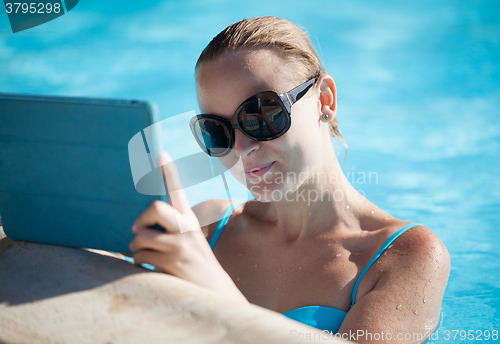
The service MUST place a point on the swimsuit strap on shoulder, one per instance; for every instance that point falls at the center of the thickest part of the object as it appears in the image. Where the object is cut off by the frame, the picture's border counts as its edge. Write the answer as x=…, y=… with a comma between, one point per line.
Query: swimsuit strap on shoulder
x=377, y=255
x=222, y=223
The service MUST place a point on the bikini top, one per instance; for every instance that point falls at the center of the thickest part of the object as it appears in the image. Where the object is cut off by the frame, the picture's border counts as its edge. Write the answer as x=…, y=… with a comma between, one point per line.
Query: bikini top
x=321, y=317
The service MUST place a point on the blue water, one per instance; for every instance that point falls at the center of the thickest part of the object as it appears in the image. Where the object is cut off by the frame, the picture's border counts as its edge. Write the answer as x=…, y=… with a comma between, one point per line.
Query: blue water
x=419, y=103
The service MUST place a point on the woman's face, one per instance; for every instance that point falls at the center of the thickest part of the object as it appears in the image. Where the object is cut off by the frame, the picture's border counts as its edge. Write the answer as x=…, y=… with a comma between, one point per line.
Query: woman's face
x=223, y=84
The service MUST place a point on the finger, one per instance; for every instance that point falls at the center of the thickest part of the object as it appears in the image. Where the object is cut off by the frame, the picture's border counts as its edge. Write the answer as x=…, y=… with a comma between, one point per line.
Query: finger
x=154, y=240
x=176, y=193
x=161, y=213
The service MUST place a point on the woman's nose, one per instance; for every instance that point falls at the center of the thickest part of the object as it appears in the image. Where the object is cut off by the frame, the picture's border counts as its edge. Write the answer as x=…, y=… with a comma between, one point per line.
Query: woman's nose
x=244, y=145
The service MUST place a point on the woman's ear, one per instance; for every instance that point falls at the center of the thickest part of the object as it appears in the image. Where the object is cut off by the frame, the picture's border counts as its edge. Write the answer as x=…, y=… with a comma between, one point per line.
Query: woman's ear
x=327, y=98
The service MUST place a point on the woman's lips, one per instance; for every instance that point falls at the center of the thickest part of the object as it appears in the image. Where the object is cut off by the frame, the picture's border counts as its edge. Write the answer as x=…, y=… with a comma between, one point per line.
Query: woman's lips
x=260, y=172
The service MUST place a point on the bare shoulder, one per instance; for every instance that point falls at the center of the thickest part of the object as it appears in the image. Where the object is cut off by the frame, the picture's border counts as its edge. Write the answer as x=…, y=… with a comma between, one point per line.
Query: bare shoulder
x=209, y=214
x=410, y=280
x=419, y=246
x=418, y=256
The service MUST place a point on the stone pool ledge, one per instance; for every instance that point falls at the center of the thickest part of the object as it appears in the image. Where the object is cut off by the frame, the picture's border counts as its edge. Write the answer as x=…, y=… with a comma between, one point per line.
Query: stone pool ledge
x=52, y=294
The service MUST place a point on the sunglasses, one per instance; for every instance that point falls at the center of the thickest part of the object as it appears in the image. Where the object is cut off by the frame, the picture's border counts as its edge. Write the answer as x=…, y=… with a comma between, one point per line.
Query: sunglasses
x=264, y=116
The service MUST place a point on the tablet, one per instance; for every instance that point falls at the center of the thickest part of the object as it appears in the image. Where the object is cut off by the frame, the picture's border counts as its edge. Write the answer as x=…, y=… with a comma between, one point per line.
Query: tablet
x=65, y=169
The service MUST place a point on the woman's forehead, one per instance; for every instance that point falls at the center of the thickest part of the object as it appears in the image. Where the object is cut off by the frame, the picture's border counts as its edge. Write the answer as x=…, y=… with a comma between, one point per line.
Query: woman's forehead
x=259, y=64
x=239, y=75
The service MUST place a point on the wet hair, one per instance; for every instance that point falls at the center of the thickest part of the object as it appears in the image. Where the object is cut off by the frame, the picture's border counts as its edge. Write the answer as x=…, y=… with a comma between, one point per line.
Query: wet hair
x=277, y=34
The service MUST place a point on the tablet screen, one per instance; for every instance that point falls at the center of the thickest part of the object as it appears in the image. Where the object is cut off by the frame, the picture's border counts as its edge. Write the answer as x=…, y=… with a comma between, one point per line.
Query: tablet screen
x=65, y=172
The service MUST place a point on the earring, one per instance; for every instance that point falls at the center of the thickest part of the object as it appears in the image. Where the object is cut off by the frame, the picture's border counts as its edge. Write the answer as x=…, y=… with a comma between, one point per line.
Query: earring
x=325, y=116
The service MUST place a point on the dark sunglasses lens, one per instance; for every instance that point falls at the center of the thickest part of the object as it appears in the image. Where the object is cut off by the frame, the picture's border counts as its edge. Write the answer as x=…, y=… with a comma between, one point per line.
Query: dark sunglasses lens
x=213, y=135
x=263, y=117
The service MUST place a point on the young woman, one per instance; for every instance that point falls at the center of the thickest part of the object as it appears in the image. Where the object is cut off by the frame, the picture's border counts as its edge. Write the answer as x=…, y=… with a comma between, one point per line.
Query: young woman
x=309, y=246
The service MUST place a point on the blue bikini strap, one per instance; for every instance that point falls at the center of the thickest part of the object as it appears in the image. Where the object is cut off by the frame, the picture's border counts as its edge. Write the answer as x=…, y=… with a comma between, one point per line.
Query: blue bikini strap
x=377, y=255
x=220, y=227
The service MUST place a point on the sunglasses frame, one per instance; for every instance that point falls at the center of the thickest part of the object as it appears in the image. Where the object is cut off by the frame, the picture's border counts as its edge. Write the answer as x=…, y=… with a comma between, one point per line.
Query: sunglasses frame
x=285, y=101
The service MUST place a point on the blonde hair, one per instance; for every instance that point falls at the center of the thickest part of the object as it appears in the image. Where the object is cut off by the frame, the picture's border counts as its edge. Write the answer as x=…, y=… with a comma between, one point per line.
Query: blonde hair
x=273, y=33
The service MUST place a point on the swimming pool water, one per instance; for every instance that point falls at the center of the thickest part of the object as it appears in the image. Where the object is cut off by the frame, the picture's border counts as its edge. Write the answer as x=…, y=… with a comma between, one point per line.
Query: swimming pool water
x=419, y=103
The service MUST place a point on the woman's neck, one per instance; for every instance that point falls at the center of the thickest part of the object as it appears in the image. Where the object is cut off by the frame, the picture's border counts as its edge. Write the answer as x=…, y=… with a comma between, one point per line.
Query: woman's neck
x=325, y=200
x=316, y=207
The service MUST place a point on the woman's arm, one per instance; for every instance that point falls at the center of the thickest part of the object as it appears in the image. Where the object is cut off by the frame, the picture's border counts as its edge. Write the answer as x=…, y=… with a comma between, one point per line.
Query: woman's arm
x=405, y=303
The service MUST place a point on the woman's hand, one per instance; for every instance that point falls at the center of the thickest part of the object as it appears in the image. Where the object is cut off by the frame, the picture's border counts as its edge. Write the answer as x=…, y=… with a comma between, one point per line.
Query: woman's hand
x=182, y=250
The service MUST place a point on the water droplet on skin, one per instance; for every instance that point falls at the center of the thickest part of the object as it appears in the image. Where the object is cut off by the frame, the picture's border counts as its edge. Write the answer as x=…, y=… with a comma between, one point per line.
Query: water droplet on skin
x=424, y=300
x=373, y=212
x=415, y=312
x=338, y=255
x=300, y=267
x=256, y=294
x=387, y=218
x=237, y=279
x=347, y=207
x=399, y=306
x=241, y=254
x=255, y=265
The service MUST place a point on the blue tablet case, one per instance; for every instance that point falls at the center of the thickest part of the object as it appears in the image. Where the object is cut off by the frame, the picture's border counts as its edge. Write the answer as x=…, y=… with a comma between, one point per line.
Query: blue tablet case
x=65, y=174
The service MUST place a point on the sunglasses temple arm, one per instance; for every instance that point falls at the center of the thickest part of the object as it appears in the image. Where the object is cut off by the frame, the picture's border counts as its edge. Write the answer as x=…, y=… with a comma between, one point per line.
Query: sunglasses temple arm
x=298, y=92
x=286, y=101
